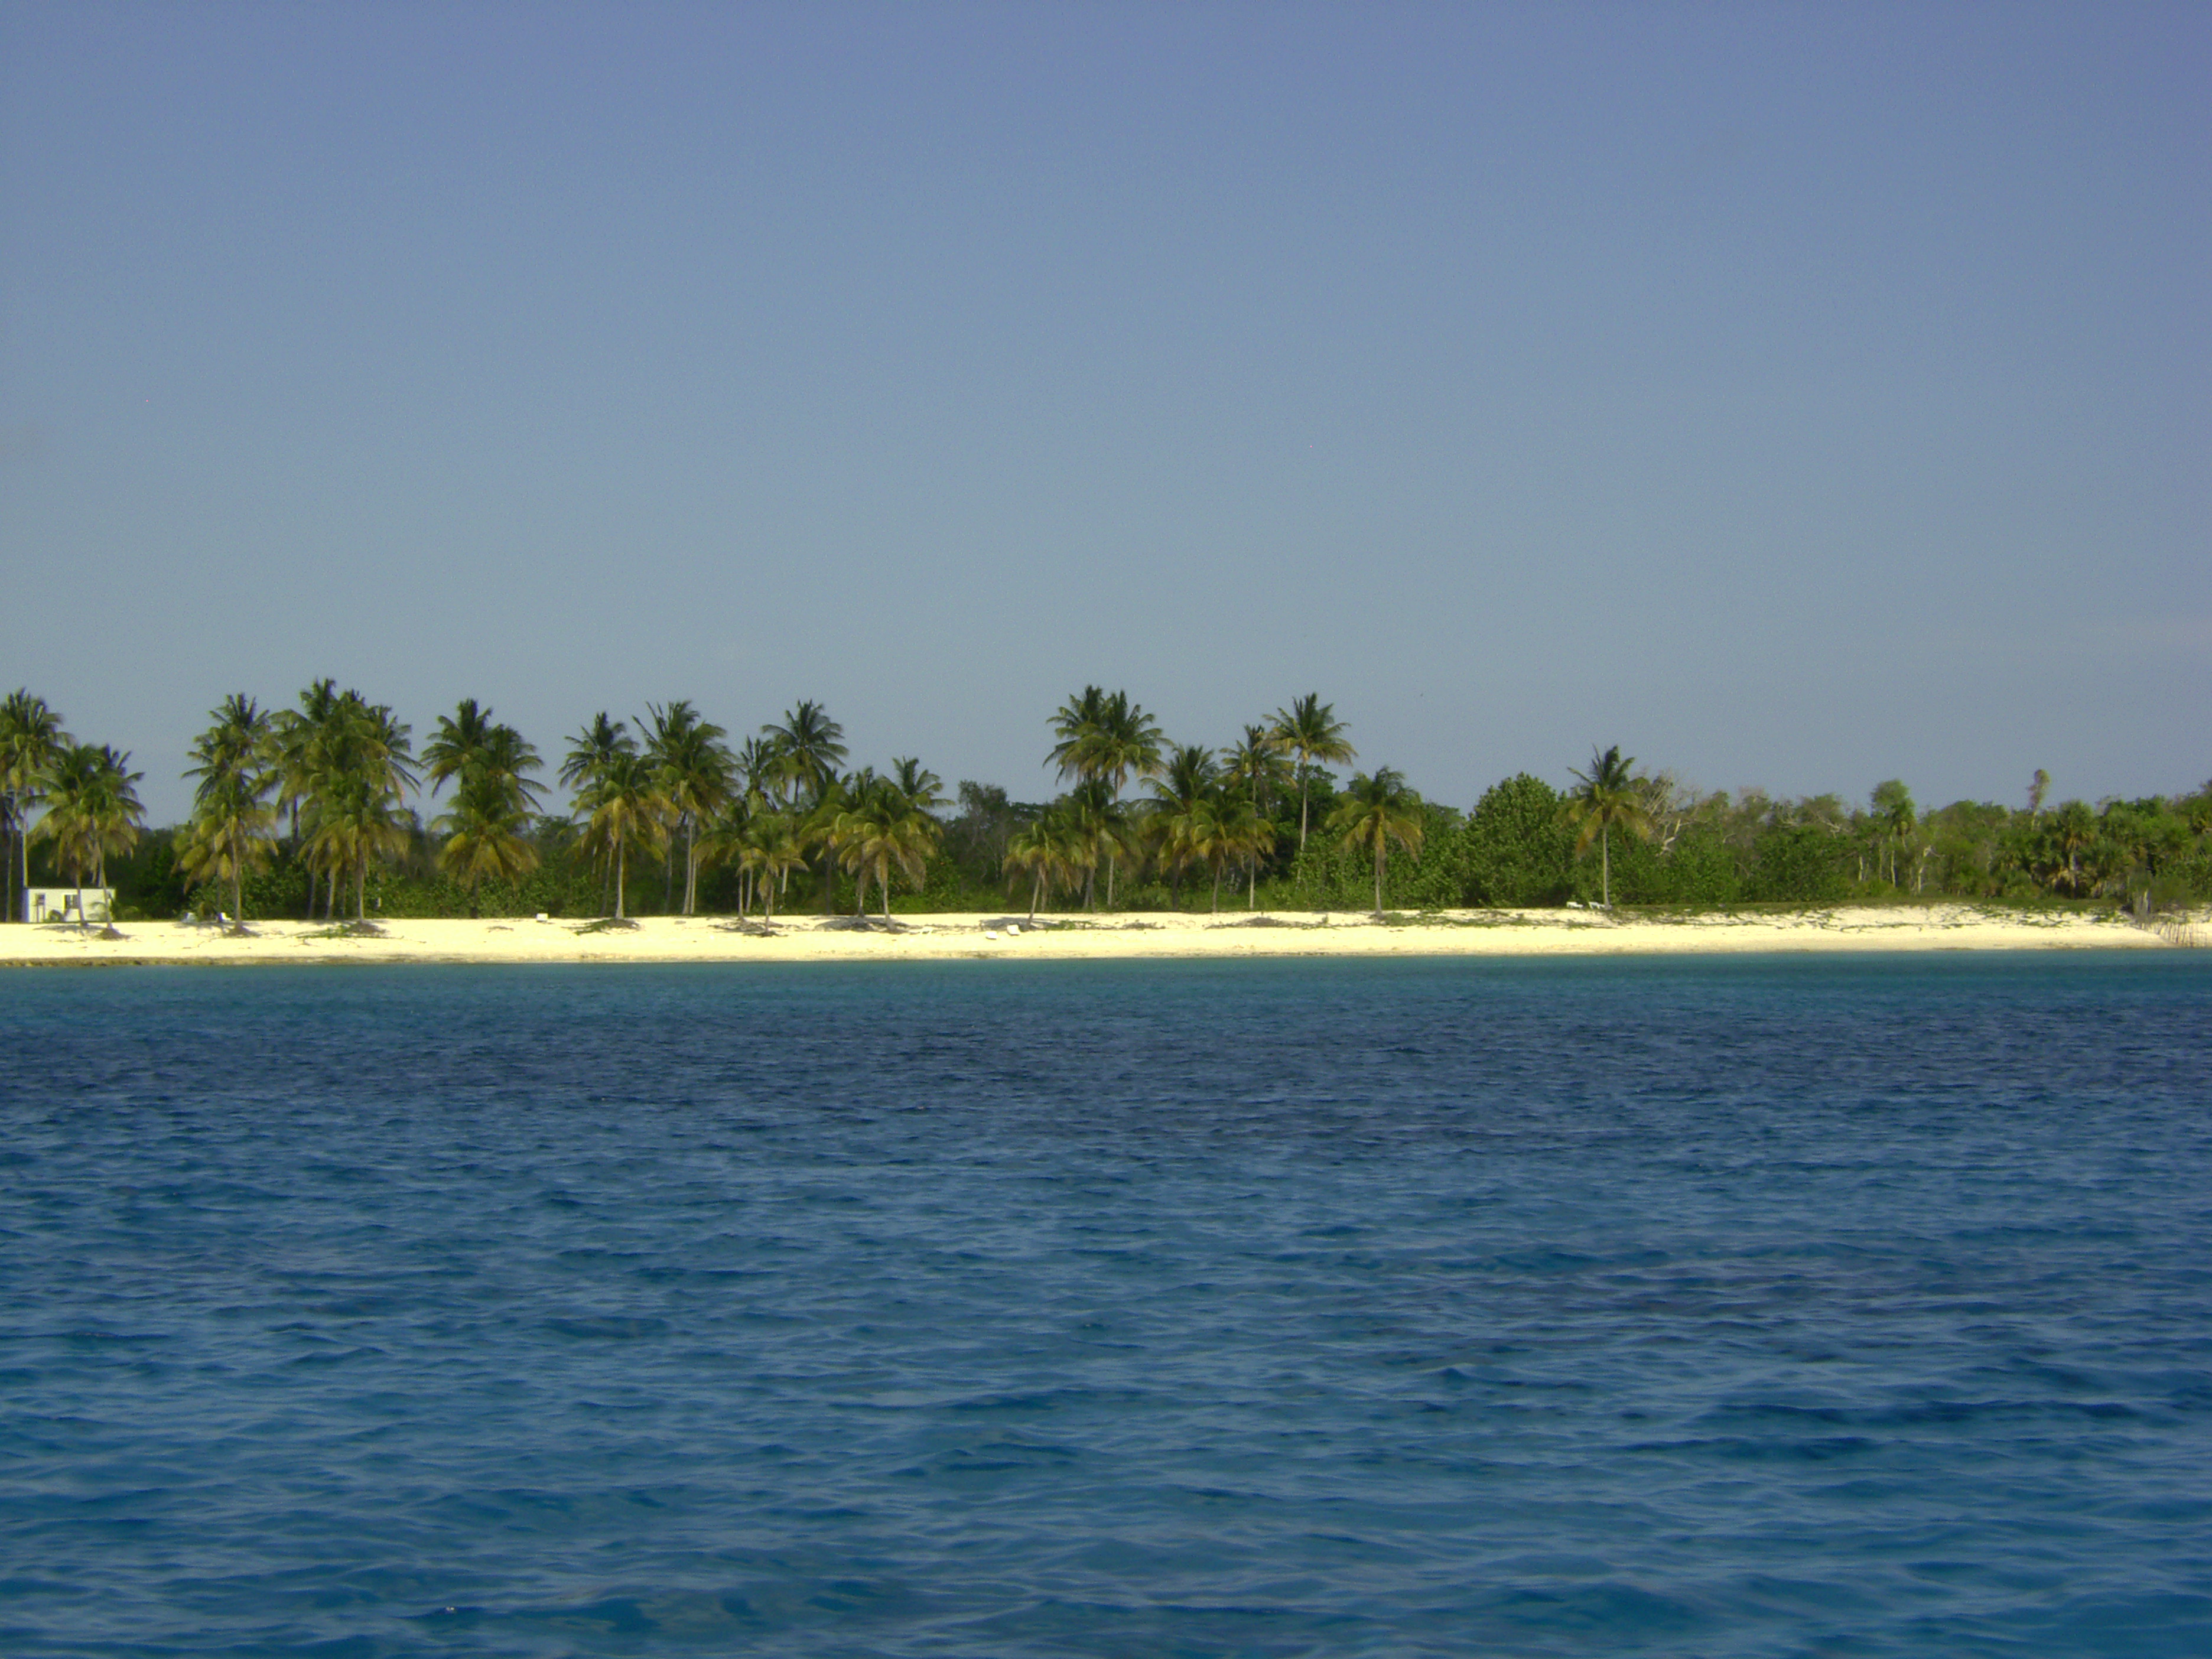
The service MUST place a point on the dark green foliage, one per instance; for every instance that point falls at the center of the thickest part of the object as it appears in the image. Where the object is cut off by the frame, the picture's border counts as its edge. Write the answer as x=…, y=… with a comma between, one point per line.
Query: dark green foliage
x=1797, y=864
x=1514, y=848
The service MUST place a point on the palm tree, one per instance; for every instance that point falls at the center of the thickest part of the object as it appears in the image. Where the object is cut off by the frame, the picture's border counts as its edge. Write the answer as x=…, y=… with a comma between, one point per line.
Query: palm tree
x=1247, y=835
x=2072, y=831
x=30, y=737
x=92, y=811
x=1608, y=799
x=1892, y=803
x=1049, y=851
x=346, y=770
x=773, y=848
x=1181, y=811
x=812, y=746
x=486, y=834
x=1254, y=765
x=235, y=761
x=623, y=807
x=595, y=747
x=1309, y=730
x=885, y=826
x=299, y=732
x=696, y=772
x=356, y=822
x=456, y=743
x=1376, y=811
x=1105, y=739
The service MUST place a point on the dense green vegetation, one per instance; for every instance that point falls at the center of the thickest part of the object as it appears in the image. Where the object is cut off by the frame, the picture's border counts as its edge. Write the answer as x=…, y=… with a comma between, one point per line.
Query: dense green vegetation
x=327, y=808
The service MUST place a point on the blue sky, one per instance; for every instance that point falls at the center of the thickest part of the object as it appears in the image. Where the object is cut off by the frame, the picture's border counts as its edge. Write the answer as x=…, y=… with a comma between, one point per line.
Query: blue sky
x=1799, y=396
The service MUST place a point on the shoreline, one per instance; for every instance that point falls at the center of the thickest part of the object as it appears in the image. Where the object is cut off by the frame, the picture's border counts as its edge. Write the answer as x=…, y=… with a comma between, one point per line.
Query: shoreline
x=1946, y=927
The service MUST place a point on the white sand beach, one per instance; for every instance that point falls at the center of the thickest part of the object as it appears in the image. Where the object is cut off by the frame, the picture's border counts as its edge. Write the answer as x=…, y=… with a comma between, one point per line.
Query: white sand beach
x=923, y=937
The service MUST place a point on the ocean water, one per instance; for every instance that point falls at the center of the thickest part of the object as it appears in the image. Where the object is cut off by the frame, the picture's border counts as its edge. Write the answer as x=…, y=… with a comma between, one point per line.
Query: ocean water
x=1743, y=1306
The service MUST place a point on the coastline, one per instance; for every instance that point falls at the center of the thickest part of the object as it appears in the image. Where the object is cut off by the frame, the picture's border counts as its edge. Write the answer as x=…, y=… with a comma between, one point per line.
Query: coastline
x=1947, y=926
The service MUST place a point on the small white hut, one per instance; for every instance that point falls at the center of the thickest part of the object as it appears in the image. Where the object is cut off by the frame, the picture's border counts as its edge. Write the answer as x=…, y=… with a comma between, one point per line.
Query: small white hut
x=60, y=904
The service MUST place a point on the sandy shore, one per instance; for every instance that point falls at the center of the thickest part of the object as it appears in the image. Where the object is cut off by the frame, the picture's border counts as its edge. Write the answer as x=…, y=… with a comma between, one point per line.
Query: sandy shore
x=808, y=939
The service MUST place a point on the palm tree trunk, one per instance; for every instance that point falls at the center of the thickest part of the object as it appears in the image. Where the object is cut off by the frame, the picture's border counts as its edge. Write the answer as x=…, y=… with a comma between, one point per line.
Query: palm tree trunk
x=884, y=888
x=1036, y=884
x=360, y=890
x=1217, y=889
x=1302, y=807
x=622, y=870
x=1379, y=856
x=1251, y=882
x=1110, y=878
x=1605, y=864
x=237, y=890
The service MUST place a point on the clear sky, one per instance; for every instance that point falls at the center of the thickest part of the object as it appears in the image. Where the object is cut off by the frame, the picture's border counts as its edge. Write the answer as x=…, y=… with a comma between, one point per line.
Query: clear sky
x=1796, y=395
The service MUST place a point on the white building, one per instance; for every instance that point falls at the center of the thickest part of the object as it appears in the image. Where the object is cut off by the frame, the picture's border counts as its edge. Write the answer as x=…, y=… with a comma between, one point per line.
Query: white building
x=59, y=904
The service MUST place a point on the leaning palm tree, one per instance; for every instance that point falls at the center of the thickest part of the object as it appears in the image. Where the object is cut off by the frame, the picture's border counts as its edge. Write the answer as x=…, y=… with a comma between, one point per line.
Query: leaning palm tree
x=1373, y=812
x=1608, y=800
x=1309, y=730
x=31, y=738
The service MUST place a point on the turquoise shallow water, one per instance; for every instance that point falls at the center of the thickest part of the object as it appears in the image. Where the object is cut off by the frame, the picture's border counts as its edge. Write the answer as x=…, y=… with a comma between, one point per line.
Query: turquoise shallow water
x=1763, y=1307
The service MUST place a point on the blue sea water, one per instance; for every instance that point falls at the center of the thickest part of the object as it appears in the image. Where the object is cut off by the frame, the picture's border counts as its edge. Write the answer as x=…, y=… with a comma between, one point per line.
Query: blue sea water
x=1723, y=1307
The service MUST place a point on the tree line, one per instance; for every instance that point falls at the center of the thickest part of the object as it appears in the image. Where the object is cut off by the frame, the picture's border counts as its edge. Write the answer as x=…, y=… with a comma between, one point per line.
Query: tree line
x=328, y=806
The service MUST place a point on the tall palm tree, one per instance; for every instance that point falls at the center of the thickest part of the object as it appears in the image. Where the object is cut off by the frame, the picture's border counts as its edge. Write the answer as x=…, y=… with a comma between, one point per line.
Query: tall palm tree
x=1309, y=730
x=598, y=745
x=92, y=811
x=299, y=733
x=1373, y=812
x=347, y=765
x=236, y=761
x=1253, y=765
x=623, y=807
x=811, y=747
x=1608, y=800
x=697, y=773
x=31, y=737
x=1105, y=739
x=1893, y=805
x=455, y=744
x=356, y=821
